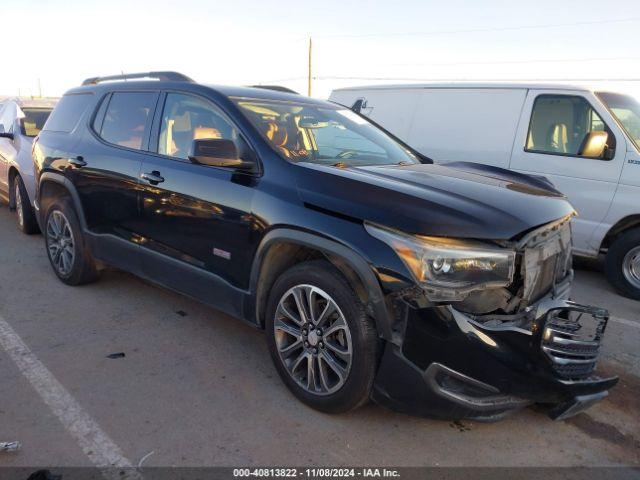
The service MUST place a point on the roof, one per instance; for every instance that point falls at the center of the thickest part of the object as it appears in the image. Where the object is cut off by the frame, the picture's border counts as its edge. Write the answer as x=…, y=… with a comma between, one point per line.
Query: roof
x=483, y=85
x=226, y=91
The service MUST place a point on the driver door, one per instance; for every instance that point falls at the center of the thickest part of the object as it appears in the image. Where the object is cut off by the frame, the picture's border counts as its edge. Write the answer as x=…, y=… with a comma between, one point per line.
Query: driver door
x=548, y=142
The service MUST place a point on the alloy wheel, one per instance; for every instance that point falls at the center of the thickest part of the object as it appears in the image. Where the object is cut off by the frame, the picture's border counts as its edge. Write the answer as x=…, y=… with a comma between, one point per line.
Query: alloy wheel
x=60, y=243
x=631, y=266
x=313, y=339
x=18, y=197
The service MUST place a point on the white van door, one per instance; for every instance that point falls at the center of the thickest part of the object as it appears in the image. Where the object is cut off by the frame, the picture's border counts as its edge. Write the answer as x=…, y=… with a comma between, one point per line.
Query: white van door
x=549, y=142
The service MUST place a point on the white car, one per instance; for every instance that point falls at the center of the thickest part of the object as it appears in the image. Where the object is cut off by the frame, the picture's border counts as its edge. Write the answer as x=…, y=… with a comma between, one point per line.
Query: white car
x=20, y=121
x=586, y=142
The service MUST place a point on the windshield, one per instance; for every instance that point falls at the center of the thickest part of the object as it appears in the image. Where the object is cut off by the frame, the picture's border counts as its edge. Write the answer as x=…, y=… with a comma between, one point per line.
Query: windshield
x=626, y=109
x=303, y=132
x=33, y=120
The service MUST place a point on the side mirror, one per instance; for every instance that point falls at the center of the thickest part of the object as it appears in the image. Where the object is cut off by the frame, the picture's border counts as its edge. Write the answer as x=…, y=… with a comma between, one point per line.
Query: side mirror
x=594, y=145
x=218, y=152
x=358, y=105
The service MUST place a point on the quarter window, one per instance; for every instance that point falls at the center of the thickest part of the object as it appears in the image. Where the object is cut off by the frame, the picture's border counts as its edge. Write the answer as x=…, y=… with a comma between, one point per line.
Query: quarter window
x=67, y=113
x=561, y=123
x=127, y=119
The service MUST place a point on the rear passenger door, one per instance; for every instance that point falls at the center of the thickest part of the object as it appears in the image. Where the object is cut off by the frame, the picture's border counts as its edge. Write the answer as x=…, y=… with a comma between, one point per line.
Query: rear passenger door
x=548, y=142
x=106, y=171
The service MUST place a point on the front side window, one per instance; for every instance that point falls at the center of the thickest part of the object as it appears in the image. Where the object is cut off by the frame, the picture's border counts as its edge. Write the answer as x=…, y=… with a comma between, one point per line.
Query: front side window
x=560, y=125
x=186, y=118
x=33, y=120
x=304, y=132
x=8, y=115
x=626, y=109
x=127, y=119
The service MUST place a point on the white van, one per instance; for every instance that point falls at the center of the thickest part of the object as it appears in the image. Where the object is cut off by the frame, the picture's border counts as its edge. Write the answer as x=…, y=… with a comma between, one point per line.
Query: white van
x=586, y=142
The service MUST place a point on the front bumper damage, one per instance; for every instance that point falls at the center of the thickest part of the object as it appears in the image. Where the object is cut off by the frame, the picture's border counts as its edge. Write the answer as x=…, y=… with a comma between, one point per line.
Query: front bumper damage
x=448, y=364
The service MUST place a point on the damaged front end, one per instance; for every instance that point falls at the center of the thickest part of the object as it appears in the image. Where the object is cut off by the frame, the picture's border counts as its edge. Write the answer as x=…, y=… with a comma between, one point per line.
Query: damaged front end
x=500, y=348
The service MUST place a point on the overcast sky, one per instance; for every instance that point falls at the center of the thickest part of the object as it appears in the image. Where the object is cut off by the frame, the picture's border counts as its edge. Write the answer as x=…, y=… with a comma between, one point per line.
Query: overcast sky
x=61, y=42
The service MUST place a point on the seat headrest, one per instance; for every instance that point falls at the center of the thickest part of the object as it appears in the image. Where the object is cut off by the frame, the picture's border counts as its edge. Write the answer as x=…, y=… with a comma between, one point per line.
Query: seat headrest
x=182, y=123
x=206, y=132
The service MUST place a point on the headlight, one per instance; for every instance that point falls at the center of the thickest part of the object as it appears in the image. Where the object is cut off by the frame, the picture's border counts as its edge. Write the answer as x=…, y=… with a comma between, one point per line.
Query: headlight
x=449, y=269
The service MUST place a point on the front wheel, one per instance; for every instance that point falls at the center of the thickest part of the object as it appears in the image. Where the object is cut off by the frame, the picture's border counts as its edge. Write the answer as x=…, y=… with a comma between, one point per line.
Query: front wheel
x=623, y=264
x=321, y=340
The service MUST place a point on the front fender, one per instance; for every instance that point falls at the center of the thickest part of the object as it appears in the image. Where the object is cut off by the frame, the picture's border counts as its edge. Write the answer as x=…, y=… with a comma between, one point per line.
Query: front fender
x=331, y=248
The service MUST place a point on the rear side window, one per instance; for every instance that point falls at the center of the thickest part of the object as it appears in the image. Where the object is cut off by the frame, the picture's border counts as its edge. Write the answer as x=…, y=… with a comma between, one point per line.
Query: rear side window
x=128, y=118
x=560, y=124
x=68, y=112
x=33, y=121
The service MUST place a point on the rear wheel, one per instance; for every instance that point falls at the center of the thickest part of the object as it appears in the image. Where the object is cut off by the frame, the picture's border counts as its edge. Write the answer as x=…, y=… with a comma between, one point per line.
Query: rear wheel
x=25, y=216
x=321, y=340
x=623, y=264
x=66, y=247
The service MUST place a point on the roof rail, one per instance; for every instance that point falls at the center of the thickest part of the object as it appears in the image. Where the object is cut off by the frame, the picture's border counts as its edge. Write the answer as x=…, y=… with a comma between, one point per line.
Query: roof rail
x=162, y=76
x=276, y=88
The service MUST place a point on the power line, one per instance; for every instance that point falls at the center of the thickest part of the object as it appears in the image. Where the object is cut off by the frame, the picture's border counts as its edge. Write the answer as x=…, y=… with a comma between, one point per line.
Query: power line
x=484, y=30
x=477, y=80
x=513, y=62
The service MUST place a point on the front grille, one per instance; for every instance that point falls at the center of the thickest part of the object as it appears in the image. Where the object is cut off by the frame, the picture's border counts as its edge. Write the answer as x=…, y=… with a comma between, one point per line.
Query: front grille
x=571, y=339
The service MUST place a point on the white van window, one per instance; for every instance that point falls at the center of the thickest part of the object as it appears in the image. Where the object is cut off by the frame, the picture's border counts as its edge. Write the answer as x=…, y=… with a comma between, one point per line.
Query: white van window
x=626, y=109
x=560, y=124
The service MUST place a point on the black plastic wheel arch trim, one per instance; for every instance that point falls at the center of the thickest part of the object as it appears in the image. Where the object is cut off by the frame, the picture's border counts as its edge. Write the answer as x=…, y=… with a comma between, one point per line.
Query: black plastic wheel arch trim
x=376, y=301
x=66, y=183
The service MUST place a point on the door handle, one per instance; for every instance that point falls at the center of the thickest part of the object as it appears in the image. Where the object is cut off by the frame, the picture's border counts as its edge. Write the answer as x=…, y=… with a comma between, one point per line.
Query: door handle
x=152, y=177
x=77, y=162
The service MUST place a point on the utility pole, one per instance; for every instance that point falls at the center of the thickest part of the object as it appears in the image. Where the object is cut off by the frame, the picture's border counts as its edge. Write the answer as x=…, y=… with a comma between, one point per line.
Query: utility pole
x=309, y=79
x=39, y=88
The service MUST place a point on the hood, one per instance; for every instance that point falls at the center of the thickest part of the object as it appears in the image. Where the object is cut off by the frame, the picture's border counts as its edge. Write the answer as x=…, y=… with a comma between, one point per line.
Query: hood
x=463, y=200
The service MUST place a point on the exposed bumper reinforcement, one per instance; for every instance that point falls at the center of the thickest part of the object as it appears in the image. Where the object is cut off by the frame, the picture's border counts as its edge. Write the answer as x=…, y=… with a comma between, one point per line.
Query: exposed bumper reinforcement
x=450, y=366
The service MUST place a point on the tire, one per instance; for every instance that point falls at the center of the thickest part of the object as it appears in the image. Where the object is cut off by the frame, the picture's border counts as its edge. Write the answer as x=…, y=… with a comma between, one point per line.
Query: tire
x=622, y=264
x=61, y=225
x=324, y=284
x=26, y=219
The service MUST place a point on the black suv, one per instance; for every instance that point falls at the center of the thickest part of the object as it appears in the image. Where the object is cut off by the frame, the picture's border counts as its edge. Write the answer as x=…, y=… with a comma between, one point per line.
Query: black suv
x=440, y=291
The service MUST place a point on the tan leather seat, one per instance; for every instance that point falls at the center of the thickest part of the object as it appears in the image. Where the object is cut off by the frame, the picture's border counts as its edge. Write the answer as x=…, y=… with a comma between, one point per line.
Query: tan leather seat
x=279, y=137
x=558, y=138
